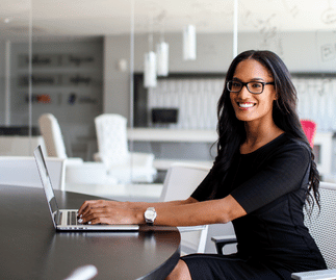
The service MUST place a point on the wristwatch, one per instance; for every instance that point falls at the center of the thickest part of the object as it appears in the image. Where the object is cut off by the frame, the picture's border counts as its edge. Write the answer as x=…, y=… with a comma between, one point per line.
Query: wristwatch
x=150, y=215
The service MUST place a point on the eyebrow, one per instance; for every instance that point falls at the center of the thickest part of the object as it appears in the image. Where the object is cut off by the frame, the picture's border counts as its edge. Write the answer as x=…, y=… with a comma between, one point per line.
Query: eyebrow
x=254, y=79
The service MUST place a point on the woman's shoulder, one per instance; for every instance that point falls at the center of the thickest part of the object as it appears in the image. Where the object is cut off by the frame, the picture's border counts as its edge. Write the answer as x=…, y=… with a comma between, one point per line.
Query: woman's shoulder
x=292, y=144
x=295, y=142
x=285, y=149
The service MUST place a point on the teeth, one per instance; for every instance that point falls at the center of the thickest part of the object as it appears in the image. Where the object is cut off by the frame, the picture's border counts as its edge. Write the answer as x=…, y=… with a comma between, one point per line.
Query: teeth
x=245, y=105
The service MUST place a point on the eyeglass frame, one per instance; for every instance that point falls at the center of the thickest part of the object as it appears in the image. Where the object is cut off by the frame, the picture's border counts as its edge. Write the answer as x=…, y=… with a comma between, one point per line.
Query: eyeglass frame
x=246, y=85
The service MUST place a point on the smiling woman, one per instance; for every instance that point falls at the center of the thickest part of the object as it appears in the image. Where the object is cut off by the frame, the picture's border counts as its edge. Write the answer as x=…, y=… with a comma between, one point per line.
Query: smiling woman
x=260, y=180
x=264, y=163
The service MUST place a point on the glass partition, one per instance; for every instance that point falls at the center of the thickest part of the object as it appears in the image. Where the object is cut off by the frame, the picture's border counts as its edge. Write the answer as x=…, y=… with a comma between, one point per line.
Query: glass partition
x=67, y=78
x=15, y=31
x=90, y=58
x=175, y=114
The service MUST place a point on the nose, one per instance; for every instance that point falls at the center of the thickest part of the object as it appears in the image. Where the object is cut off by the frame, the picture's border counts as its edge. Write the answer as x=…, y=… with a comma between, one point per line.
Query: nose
x=244, y=93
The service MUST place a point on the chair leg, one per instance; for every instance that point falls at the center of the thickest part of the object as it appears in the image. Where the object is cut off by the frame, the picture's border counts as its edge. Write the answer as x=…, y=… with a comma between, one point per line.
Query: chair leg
x=202, y=241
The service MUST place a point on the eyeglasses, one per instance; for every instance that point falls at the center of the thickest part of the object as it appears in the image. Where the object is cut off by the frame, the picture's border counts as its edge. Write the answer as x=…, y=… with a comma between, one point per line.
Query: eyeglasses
x=254, y=87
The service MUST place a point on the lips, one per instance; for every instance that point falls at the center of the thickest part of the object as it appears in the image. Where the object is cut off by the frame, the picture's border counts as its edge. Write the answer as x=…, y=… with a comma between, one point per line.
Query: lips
x=246, y=104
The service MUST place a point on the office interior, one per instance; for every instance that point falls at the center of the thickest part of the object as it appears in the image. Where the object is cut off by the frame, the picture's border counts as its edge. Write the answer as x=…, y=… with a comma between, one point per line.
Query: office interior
x=77, y=60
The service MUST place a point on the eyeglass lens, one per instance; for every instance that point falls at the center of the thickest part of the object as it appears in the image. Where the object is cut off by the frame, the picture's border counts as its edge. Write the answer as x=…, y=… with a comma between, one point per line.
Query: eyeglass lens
x=253, y=87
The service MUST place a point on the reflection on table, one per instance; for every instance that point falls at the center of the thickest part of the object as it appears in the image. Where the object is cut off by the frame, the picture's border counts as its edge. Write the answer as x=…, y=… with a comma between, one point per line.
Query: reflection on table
x=32, y=249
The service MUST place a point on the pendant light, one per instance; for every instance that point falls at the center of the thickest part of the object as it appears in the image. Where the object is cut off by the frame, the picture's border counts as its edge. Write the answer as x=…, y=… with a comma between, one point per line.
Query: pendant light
x=189, y=42
x=150, y=70
x=162, y=55
x=150, y=64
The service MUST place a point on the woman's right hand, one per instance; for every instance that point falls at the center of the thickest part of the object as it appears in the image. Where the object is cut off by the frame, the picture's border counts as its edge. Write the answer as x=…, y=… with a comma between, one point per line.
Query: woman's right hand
x=107, y=212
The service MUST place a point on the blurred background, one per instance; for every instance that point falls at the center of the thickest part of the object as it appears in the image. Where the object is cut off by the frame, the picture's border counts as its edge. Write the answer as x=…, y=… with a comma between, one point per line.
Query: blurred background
x=79, y=59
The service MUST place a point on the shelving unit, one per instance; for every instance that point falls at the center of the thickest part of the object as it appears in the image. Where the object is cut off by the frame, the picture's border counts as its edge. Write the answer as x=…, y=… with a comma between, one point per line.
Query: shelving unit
x=66, y=82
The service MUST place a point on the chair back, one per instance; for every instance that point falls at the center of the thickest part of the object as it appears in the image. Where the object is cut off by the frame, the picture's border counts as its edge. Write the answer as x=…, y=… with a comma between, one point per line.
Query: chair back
x=322, y=224
x=22, y=171
x=112, y=138
x=180, y=182
x=52, y=136
x=309, y=128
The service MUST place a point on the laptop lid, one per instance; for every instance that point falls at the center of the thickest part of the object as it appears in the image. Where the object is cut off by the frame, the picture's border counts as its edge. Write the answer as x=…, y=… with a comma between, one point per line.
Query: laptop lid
x=55, y=211
x=46, y=182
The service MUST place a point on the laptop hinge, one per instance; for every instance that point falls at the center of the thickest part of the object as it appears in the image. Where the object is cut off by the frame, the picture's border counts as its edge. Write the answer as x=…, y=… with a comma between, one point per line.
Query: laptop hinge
x=58, y=217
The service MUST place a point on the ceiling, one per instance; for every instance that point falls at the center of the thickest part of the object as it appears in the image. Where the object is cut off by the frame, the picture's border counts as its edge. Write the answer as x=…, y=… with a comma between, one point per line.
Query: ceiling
x=109, y=17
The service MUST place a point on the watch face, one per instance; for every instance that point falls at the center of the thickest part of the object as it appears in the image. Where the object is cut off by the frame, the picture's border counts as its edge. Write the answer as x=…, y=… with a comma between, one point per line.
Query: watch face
x=150, y=215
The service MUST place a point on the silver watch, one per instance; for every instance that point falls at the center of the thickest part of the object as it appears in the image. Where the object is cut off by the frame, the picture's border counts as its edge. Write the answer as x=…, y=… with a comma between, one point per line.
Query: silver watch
x=150, y=215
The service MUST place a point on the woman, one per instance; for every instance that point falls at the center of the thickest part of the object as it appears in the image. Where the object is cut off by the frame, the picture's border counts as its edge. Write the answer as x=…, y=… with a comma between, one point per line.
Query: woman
x=260, y=181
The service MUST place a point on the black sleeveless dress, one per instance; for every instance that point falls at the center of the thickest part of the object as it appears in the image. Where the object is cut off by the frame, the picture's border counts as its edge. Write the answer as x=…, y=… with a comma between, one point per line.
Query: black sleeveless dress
x=271, y=185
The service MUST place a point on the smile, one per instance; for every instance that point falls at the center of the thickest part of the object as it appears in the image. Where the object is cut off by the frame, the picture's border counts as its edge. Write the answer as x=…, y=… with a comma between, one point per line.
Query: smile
x=246, y=105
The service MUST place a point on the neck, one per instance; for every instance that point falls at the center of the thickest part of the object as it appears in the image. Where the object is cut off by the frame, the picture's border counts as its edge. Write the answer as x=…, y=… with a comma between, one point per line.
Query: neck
x=257, y=135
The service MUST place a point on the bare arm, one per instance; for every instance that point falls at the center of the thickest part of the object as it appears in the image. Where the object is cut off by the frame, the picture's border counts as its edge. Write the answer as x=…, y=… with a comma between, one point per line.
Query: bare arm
x=101, y=207
x=133, y=205
x=158, y=205
x=200, y=213
x=188, y=212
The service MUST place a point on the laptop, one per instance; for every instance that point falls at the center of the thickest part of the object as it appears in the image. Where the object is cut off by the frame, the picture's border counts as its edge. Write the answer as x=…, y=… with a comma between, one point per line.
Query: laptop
x=66, y=219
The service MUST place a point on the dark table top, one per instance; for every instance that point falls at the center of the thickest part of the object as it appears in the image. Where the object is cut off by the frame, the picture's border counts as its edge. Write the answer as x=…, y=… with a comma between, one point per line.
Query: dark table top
x=30, y=248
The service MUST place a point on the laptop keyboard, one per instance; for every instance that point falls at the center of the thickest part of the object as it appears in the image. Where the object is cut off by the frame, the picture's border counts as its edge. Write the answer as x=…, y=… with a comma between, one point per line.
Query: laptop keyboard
x=72, y=218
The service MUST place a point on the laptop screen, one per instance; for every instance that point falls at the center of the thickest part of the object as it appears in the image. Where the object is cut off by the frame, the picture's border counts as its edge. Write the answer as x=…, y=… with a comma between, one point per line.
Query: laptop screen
x=46, y=182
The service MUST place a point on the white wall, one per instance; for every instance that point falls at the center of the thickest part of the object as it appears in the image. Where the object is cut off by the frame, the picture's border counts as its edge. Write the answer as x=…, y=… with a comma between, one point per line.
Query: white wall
x=116, y=88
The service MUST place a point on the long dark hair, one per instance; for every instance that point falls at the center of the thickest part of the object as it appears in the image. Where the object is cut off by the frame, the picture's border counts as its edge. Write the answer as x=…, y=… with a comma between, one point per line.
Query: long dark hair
x=231, y=131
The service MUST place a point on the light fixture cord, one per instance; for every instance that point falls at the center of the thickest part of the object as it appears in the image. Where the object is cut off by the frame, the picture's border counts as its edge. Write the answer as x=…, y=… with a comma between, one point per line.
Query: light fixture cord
x=131, y=122
x=150, y=33
x=235, y=28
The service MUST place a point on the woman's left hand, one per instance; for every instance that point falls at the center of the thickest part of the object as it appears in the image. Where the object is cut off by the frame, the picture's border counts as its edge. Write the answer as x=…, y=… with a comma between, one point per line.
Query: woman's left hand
x=106, y=212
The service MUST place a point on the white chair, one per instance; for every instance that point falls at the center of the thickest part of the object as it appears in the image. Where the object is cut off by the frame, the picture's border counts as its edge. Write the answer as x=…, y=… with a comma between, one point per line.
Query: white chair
x=322, y=226
x=113, y=152
x=22, y=171
x=77, y=171
x=180, y=182
x=52, y=136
